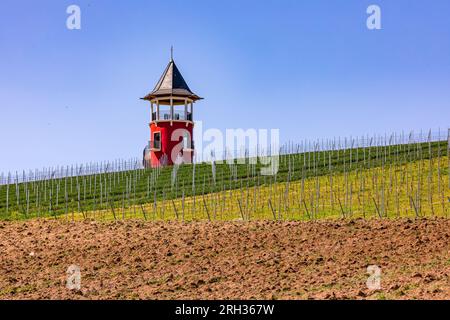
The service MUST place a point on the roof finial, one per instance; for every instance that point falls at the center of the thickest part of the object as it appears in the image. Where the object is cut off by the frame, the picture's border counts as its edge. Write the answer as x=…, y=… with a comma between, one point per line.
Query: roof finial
x=171, y=53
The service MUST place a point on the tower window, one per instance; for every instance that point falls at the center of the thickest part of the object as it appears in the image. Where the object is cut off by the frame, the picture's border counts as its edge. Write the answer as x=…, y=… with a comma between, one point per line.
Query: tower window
x=157, y=140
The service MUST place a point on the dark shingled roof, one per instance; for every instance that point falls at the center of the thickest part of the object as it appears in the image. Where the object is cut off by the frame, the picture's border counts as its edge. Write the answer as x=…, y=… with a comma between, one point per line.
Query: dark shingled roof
x=171, y=83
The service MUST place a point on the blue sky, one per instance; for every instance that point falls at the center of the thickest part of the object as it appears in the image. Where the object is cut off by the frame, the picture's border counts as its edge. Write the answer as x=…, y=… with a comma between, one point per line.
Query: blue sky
x=310, y=68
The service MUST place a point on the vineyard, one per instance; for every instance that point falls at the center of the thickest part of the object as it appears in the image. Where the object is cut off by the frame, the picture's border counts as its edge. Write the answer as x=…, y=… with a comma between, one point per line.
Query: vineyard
x=351, y=178
x=223, y=230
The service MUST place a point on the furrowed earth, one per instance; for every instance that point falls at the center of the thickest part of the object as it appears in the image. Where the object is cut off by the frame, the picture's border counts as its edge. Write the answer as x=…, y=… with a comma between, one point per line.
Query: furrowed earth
x=226, y=260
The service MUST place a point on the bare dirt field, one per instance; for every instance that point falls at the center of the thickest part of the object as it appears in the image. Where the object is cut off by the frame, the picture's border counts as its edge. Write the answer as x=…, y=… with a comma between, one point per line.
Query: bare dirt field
x=223, y=260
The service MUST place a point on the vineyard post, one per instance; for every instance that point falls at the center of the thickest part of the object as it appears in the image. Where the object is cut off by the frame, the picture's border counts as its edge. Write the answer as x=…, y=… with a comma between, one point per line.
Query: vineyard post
x=345, y=178
x=407, y=159
x=391, y=159
x=101, y=194
x=330, y=169
x=7, y=195
x=351, y=199
x=430, y=174
x=397, y=201
x=206, y=208
x=154, y=205
x=376, y=207
x=193, y=191
x=286, y=195
x=123, y=205
x=143, y=212
x=37, y=201
x=279, y=203
x=351, y=151
x=383, y=182
x=175, y=209
x=362, y=188
x=65, y=199
x=114, y=212
x=163, y=204
x=182, y=205
x=90, y=182
x=342, y=209
x=50, y=200
x=318, y=193
x=255, y=187
x=240, y=209
x=419, y=189
x=57, y=194
x=134, y=192
x=223, y=197
x=28, y=201
x=273, y=211
x=448, y=157
x=73, y=212
x=17, y=191
x=440, y=193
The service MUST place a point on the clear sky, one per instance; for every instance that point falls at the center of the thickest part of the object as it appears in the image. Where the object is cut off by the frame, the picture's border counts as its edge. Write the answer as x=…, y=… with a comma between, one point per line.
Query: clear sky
x=310, y=68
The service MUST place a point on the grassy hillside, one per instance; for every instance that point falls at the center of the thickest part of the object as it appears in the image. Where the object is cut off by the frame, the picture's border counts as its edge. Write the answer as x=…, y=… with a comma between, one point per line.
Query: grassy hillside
x=312, y=184
x=415, y=189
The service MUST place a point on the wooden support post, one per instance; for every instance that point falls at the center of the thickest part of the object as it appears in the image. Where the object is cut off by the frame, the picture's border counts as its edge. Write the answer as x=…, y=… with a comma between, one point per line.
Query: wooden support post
x=157, y=110
x=151, y=111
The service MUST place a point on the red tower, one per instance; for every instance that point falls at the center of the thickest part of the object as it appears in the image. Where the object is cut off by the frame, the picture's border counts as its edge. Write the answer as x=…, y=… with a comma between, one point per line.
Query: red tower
x=172, y=123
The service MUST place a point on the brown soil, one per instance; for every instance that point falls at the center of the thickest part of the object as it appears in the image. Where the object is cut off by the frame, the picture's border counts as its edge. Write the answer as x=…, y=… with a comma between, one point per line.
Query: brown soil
x=223, y=260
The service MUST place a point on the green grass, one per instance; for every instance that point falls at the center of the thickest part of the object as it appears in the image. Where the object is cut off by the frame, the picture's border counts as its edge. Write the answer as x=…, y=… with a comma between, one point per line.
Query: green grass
x=142, y=186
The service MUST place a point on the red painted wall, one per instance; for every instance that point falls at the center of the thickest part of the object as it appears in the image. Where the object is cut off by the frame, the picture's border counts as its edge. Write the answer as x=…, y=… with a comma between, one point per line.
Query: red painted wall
x=167, y=145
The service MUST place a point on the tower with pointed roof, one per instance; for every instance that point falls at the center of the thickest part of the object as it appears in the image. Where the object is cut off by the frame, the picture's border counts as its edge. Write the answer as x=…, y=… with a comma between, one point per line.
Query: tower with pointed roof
x=172, y=123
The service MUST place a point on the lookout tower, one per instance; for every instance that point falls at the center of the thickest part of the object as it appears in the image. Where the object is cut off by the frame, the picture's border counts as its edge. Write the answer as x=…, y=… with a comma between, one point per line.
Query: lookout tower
x=172, y=122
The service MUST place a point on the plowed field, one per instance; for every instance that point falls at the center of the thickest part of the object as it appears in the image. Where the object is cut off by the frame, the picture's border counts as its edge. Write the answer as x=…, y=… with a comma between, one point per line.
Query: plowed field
x=223, y=260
